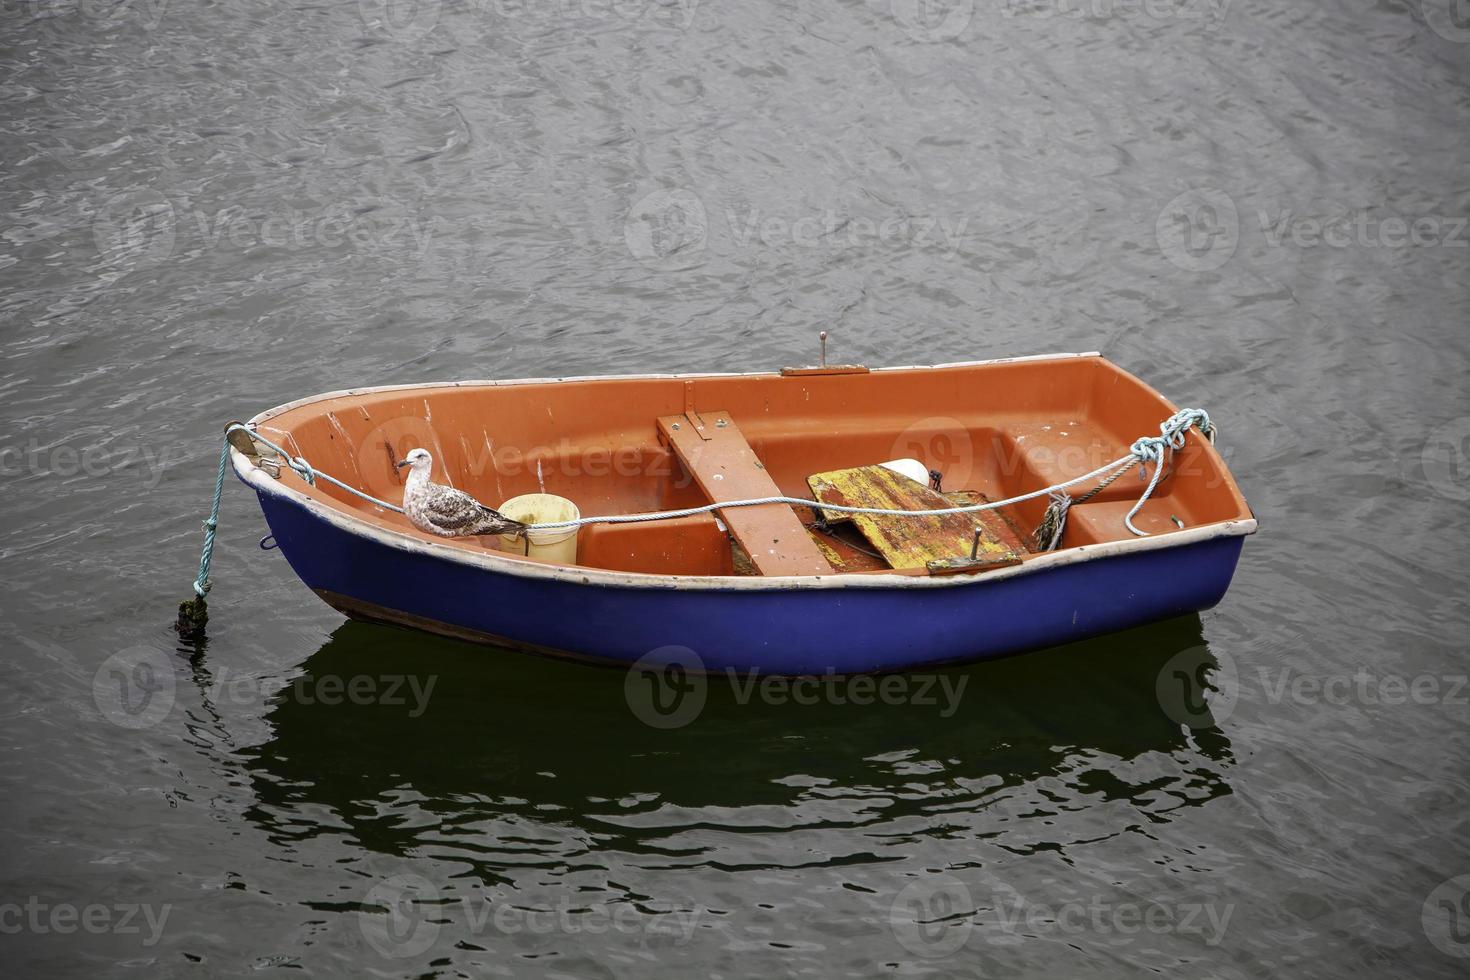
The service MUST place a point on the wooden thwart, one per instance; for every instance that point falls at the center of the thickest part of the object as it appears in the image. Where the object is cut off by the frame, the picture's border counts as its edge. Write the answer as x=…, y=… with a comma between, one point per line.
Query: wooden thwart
x=914, y=542
x=712, y=448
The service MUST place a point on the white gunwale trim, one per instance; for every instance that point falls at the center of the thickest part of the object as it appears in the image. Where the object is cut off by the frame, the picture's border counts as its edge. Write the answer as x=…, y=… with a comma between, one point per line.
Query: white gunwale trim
x=493, y=562
x=346, y=392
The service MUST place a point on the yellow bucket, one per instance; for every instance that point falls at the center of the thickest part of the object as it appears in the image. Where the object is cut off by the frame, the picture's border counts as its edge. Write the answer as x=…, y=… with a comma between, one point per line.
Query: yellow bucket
x=558, y=544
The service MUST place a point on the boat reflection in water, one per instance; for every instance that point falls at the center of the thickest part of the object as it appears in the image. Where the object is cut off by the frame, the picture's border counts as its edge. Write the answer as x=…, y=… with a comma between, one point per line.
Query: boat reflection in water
x=508, y=760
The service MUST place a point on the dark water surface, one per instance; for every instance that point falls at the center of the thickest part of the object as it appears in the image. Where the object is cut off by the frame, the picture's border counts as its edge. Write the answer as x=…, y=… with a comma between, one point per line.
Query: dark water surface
x=213, y=208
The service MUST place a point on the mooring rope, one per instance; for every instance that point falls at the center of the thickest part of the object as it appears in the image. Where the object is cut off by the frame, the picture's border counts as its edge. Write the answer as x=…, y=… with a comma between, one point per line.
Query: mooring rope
x=296, y=463
x=1148, y=449
x=201, y=584
x=1048, y=534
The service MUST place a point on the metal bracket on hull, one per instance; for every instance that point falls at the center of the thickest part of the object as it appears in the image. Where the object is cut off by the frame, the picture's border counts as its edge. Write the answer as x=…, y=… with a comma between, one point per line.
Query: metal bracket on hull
x=258, y=454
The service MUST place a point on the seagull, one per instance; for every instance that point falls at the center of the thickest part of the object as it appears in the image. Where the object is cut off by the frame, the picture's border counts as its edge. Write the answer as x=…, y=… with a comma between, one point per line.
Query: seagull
x=445, y=511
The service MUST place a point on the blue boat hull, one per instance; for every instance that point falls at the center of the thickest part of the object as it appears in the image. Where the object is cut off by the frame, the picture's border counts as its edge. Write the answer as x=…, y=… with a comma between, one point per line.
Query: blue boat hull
x=770, y=630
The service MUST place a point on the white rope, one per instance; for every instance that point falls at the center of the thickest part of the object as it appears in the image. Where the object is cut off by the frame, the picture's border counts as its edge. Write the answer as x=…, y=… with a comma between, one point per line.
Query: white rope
x=1149, y=449
x=664, y=515
x=1145, y=450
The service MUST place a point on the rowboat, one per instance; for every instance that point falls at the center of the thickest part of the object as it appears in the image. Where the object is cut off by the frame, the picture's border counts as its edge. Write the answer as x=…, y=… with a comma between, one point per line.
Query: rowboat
x=824, y=577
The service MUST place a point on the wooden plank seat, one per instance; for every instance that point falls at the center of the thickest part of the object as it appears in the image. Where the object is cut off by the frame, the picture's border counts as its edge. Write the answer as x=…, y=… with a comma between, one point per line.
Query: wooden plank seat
x=912, y=542
x=712, y=448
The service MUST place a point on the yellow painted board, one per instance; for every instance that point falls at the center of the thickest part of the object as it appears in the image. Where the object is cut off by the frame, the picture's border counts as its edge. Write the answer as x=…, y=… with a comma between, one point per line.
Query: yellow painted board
x=905, y=542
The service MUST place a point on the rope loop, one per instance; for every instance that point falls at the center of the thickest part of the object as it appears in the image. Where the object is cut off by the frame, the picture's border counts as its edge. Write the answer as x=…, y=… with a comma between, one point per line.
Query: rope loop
x=1173, y=433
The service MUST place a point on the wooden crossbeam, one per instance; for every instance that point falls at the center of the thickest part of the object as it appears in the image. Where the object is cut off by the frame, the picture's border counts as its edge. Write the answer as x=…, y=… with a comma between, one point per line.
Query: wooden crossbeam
x=712, y=448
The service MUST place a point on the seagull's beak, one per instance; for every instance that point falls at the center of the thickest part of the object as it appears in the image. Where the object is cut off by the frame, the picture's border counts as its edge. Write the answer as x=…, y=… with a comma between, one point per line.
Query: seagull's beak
x=402, y=463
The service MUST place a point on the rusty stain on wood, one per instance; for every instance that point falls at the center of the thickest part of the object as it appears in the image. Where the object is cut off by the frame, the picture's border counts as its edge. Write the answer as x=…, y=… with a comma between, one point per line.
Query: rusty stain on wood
x=818, y=370
x=996, y=521
x=740, y=560
x=964, y=566
x=830, y=553
x=910, y=542
x=845, y=555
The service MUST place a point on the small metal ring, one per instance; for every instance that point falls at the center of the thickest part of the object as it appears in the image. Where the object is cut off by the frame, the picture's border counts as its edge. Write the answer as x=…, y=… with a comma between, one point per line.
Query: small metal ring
x=271, y=546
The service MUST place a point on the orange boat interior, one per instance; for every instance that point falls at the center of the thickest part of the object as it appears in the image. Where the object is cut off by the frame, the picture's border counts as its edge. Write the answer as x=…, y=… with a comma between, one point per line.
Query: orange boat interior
x=633, y=445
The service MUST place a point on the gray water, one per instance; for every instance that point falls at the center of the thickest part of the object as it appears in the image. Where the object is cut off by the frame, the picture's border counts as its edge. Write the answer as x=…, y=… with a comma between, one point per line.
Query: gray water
x=214, y=208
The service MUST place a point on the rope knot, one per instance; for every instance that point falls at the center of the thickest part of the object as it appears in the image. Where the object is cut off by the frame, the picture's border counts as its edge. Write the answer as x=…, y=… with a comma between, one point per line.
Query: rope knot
x=1049, y=533
x=1177, y=426
x=302, y=467
x=1150, y=449
x=1173, y=432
